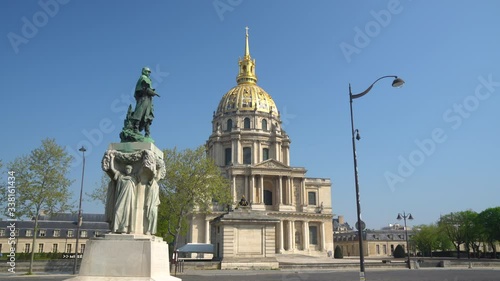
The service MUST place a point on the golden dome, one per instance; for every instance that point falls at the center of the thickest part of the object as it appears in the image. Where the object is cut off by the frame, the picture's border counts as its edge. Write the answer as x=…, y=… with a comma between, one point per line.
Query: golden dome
x=247, y=96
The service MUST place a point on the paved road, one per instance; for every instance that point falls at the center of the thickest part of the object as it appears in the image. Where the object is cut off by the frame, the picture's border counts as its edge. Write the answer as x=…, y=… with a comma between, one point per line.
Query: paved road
x=323, y=275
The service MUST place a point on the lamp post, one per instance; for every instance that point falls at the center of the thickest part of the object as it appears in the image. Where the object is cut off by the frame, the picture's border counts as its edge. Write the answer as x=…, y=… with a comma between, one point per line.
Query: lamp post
x=398, y=82
x=404, y=216
x=79, y=222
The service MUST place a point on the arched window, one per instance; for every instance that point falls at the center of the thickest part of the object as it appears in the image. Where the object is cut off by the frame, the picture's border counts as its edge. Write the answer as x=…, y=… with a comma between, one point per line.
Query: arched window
x=246, y=123
x=229, y=125
x=264, y=124
x=268, y=197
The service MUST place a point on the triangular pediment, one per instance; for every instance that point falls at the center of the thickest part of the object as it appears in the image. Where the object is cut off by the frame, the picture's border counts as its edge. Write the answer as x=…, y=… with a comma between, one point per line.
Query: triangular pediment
x=271, y=164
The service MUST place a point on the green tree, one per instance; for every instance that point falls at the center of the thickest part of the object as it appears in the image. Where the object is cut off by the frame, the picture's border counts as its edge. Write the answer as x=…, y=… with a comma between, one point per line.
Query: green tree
x=428, y=238
x=193, y=183
x=41, y=184
x=338, y=253
x=489, y=221
x=471, y=230
x=461, y=229
x=425, y=238
x=399, y=252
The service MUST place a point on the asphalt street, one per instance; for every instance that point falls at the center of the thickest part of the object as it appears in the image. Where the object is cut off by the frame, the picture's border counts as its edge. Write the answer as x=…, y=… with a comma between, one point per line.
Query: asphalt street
x=323, y=275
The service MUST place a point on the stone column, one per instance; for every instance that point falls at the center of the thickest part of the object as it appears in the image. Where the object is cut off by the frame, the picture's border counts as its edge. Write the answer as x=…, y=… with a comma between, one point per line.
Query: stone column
x=280, y=188
x=207, y=231
x=246, y=188
x=261, y=190
x=278, y=191
x=292, y=235
x=323, y=240
x=303, y=191
x=290, y=191
x=306, y=235
x=252, y=189
x=233, y=187
x=281, y=237
x=260, y=157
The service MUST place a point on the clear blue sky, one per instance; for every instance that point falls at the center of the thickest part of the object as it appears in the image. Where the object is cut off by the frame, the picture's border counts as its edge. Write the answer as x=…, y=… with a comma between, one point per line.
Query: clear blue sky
x=69, y=69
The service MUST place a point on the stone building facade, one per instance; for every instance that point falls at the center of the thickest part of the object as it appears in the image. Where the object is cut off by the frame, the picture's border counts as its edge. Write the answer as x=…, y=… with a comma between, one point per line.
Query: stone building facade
x=56, y=233
x=286, y=210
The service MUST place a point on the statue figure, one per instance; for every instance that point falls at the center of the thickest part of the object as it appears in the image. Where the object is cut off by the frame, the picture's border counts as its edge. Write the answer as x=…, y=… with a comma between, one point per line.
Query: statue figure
x=143, y=115
x=243, y=202
x=144, y=93
x=151, y=203
x=124, y=207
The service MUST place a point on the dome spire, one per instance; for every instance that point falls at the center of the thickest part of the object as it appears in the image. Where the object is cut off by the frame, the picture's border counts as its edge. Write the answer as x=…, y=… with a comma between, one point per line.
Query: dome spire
x=247, y=47
x=247, y=65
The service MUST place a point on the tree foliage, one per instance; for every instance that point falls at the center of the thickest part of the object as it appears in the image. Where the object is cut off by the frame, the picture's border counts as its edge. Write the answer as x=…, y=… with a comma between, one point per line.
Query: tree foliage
x=41, y=183
x=428, y=238
x=192, y=184
x=461, y=228
x=489, y=220
x=100, y=190
x=338, y=253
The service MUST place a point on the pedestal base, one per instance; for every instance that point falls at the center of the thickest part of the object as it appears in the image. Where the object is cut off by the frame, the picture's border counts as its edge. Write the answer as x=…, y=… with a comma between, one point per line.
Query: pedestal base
x=125, y=257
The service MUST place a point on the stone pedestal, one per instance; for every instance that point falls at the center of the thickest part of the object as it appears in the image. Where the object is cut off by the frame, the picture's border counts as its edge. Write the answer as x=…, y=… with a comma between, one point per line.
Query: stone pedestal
x=246, y=239
x=125, y=257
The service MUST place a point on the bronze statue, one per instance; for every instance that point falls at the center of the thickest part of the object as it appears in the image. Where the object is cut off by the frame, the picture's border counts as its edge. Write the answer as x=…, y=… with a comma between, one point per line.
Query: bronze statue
x=142, y=117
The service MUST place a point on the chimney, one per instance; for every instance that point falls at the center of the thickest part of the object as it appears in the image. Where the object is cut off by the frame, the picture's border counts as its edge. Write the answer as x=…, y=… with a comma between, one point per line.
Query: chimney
x=341, y=220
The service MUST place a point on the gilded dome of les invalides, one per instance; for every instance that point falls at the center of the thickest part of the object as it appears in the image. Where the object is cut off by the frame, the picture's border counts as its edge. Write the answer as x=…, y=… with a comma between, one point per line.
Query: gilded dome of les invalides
x=247, y=95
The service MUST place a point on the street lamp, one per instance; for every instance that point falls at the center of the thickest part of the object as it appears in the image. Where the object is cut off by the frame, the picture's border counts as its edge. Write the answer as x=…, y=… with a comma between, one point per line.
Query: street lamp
x=405, y=216
x=398, y=82
x=79, y=222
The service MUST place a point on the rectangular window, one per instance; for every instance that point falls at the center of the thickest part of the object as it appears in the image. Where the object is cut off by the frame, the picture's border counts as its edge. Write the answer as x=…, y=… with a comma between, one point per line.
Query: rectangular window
x=83, y=233
x=384, y=248
x=247, y=155
x=54, y=248
x=27, y=248
x=40, y=248
x=70, y=233
x=68, y=248
x=97, y=233
x=82, y=248
x=2, y=232
x=29, y=232
x=42, y=233
x=265, y=154
x=312, y=198
x=57, y=232
x=378, y=249
x=227, y=155
x=313, y=235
